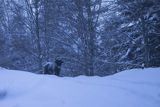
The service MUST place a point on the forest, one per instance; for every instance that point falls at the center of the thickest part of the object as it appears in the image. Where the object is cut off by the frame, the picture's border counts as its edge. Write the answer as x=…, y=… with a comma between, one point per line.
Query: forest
x=92, y=37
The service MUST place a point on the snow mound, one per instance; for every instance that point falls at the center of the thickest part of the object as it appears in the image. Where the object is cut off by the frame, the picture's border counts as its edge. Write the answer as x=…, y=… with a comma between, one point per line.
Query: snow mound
x=130, y=88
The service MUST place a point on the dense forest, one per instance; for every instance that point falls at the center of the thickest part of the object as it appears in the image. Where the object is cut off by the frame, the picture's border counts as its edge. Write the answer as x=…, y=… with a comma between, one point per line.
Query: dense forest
x=92, y=37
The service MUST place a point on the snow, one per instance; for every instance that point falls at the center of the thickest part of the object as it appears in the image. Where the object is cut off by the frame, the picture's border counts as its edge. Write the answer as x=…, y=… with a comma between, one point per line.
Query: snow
x=130, y=88
x=48, y=63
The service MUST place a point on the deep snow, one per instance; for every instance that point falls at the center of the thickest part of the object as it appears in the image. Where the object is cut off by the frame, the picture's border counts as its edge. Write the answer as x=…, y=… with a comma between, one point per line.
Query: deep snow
x=130, y=88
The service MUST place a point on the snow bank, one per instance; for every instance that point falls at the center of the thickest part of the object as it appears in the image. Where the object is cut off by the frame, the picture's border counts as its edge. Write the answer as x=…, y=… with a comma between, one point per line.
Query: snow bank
x=130, y=88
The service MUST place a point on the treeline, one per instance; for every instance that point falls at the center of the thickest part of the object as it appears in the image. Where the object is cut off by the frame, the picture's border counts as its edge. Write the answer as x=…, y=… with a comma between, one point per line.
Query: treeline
x=93, y=37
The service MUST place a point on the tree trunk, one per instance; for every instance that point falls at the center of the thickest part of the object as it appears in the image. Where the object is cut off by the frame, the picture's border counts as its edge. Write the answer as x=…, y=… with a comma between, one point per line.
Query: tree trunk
x=45, y=29
x=37, y=34
x=145, y=39
x=91, y=38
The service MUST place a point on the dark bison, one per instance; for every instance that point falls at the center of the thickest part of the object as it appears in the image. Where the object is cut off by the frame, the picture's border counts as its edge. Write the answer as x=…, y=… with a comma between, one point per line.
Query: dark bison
x=50, y=68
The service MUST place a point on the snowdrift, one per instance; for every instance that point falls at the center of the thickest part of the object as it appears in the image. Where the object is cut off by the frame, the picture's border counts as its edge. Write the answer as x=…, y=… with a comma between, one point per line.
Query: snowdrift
x=130, y=88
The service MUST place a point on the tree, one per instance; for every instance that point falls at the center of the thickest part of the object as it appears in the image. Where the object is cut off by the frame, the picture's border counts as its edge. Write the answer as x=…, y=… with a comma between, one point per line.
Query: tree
x=136, y=12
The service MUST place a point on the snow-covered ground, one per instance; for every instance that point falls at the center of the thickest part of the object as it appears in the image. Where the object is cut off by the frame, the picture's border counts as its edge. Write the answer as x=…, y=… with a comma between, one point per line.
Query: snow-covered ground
x=132, y=88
